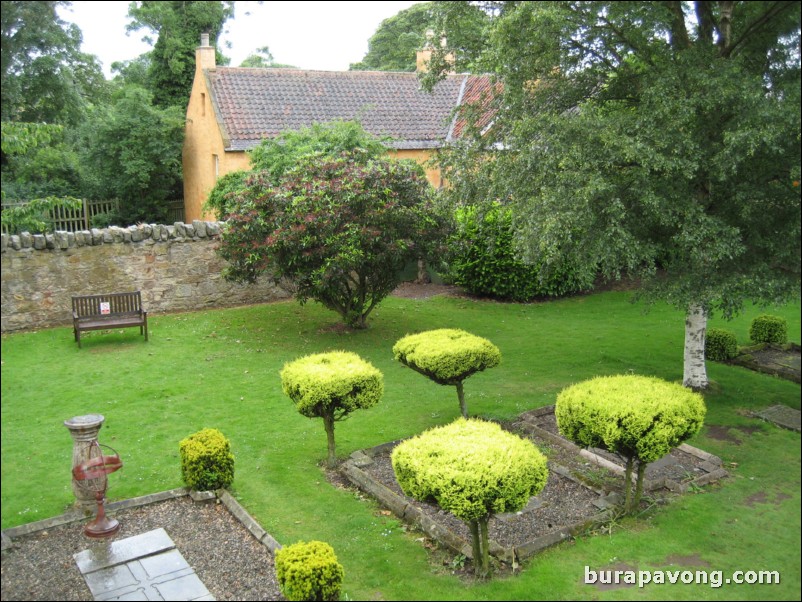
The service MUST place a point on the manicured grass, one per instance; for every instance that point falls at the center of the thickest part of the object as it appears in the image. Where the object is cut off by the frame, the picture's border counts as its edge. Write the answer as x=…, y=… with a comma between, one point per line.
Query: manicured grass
x=220, y=369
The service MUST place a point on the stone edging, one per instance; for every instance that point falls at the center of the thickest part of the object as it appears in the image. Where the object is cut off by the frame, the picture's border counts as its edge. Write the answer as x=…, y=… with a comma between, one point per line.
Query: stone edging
x=111, y=235
x=71, y=516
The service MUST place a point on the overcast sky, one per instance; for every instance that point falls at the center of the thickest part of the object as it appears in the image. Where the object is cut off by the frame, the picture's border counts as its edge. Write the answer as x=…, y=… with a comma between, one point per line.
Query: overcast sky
x=309, y=35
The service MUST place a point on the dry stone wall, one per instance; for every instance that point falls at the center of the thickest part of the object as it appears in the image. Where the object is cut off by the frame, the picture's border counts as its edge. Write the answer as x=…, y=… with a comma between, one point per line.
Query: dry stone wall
x=176, y=267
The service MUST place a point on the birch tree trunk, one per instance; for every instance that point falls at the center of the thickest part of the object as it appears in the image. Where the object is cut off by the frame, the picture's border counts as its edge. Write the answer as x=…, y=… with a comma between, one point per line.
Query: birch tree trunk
x=694, y=372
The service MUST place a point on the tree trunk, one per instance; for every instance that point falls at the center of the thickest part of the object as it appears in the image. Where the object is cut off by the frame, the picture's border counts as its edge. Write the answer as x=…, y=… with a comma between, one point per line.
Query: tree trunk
x=481, y=547
x=628, y=485
x=476, y=546
x=485, y=538
x=639, y=490
x=423, y=272
x=461, y=396
x=328, y=423
x=695, y=373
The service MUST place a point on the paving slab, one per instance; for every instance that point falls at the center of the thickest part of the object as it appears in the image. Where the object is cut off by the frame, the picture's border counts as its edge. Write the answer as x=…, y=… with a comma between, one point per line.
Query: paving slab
x=142, y=567
x=783, y=416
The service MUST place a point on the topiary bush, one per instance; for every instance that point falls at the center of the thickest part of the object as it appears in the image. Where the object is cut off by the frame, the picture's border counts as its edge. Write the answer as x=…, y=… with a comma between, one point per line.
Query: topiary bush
x=206, y=460
x=720, y=345
x=482, y=259
x=641, y=418
x=473, y=469
x=447, y=356
x=769, y=329
x=309, y=571
x=331, y=386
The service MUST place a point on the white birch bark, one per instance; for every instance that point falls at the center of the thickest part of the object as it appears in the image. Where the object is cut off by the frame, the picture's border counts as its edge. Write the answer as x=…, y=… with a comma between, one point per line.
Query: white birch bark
x=694, y=372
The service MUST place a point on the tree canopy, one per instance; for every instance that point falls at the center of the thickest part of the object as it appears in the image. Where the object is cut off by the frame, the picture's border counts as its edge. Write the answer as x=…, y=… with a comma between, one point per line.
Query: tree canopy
x=656, y=139
x=341, y=228
x=178, y=25
x=395, y=44
x=45, y=76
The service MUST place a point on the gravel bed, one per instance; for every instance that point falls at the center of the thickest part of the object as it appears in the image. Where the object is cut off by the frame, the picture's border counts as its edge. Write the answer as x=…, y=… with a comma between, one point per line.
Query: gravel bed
x=225, y=556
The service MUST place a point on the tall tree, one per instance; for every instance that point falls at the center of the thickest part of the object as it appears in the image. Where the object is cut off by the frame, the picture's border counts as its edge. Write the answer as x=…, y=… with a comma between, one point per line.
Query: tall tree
x=45, y=76
x=657, y=138
x=178, y=25
x=394, y=45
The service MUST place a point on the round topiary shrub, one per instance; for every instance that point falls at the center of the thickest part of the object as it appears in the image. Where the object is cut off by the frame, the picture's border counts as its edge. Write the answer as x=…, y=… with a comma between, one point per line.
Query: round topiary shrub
x=331, y=386
x=638, y=417
x=309, y=571
x=720, y=345
x=473, y=469
x=769, y=329
x=206, y=460
x=447, y=356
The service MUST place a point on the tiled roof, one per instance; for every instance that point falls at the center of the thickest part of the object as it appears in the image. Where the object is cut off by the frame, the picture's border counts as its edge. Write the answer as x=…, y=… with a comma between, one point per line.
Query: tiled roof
x=252, y=104
x=477, y=99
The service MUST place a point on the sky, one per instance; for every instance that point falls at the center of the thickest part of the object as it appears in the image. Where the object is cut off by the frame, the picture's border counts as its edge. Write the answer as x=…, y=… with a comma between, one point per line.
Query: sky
x=326, y=36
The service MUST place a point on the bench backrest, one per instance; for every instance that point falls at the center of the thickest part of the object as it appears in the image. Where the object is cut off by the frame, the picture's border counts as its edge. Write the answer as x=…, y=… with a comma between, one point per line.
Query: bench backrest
x=118, y=303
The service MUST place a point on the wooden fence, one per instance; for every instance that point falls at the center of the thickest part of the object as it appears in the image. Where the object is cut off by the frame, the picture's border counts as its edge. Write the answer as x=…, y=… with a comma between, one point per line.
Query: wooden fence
x=82, y=218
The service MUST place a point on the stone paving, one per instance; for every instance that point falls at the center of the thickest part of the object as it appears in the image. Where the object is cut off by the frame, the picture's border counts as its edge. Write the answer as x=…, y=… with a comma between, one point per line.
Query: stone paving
x=143, y=567
x=781, y=415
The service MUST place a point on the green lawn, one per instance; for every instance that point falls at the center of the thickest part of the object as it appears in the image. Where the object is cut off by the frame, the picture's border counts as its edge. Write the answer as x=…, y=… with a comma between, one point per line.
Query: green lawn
x=220, y=369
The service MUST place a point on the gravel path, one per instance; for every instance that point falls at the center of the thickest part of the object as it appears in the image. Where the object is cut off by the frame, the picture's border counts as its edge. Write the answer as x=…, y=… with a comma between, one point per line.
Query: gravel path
x=225, y=556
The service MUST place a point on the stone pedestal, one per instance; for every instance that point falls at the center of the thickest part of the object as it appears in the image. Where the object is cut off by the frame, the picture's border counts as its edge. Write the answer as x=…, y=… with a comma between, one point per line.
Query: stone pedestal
x=84, y=430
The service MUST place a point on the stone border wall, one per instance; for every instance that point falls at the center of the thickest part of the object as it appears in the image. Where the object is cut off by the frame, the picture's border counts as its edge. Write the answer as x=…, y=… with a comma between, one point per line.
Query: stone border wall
x=176, y=267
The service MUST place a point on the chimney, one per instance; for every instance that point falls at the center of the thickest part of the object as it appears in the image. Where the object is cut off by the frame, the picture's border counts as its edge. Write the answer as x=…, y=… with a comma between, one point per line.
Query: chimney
x=424, y=56
x=205, y=54
x=422, y=60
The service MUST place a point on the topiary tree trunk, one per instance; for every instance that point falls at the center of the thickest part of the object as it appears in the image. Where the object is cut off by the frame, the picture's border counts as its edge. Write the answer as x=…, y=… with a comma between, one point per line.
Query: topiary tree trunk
x=328, y=424
x=461, y=396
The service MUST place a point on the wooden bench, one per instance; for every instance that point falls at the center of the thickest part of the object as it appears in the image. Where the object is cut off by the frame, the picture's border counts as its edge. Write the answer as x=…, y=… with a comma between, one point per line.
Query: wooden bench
x=115, y=310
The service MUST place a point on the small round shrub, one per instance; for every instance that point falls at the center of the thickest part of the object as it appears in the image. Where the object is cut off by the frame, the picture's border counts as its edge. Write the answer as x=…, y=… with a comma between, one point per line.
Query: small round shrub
x=309, y=571
x=330, y=386
x=447, y=355
x=473, y=468
x=720, y=345
x=206, y=460
x=769, y=329
x=640, y=418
